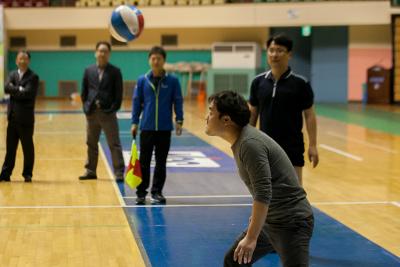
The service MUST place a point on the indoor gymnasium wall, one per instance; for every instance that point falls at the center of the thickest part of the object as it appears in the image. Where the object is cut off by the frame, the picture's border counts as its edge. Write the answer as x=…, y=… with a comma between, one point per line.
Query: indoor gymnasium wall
x=329, y=67
x=54, y=63
x=233, y=15
x=55, y=66
x=197, y=38
x=368, y=45
x=396, y=58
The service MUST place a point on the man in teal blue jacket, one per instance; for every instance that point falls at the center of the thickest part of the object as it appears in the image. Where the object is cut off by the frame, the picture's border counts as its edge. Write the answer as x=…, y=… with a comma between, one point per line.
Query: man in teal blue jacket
x=156, y=94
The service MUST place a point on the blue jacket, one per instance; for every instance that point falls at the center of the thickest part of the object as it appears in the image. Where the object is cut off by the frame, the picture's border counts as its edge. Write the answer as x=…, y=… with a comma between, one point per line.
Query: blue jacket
x=157, y=103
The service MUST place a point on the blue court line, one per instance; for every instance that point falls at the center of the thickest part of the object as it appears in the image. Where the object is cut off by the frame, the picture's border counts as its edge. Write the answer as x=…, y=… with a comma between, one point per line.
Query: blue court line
x=199, y=236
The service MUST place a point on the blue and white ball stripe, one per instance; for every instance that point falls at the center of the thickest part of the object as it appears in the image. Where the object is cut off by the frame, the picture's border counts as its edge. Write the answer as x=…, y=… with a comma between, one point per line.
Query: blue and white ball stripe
x=126, y=23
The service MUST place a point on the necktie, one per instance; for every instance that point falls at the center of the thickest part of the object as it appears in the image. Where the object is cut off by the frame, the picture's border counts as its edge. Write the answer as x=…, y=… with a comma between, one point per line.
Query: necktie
x=100, y=72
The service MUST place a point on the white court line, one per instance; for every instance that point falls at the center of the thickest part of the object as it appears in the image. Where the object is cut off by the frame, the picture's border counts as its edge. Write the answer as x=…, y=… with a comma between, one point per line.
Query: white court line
x=204, y=196
x=63, y=207
x=49, y=119
x=123, y=133
x=61, y=133
x=354, y=140
x=111, y=176
x=338, y=203
x=395, y=203
x=341, y=152
x=64, y=159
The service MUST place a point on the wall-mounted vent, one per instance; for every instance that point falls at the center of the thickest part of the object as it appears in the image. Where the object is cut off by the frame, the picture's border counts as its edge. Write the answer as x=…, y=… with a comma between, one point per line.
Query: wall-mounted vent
x=18, y=41
x=68, y=41
x=169, y=40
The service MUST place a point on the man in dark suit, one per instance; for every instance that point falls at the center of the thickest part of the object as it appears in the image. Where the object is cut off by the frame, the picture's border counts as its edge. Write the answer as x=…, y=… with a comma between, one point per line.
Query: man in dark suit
x=101, y=97
x=22, y=86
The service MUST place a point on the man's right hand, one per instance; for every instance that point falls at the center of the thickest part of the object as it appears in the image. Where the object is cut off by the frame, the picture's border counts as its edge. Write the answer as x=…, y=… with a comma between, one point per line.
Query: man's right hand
x=134, y=130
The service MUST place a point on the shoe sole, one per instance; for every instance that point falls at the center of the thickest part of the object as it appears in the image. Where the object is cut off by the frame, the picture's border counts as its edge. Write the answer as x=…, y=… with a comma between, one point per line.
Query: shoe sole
x=87, y=178
x=154, y=201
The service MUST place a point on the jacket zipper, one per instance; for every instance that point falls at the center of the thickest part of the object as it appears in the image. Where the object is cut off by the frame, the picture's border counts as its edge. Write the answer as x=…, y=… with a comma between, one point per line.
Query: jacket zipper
x=156, y=93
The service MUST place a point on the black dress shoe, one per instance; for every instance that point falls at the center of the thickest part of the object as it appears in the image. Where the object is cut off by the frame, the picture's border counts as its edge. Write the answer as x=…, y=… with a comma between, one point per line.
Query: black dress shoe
x=158, y=198
x=28, y=178
x=88, y=176
x=140, y=200
x=5, y=179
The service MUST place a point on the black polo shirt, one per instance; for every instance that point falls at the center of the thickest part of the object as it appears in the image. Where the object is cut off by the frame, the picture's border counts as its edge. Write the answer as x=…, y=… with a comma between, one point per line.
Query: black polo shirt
x=280, y=104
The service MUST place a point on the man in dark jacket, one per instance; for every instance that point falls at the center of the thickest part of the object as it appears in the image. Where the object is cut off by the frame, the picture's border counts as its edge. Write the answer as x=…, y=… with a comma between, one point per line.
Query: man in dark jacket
x=22, y=86
x=101, y=97
x=157, y=94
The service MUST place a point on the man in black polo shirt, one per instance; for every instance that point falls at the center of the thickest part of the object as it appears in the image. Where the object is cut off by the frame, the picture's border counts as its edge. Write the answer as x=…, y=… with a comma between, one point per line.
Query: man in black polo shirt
x=280, y=97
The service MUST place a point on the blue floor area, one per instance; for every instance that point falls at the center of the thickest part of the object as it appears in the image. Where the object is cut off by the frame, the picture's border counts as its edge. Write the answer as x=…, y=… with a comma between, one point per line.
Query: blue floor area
x=196, y=231
x=199, y=236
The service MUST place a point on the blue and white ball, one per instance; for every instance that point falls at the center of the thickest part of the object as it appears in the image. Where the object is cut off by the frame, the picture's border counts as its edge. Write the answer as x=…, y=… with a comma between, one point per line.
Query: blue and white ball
x=127, y=23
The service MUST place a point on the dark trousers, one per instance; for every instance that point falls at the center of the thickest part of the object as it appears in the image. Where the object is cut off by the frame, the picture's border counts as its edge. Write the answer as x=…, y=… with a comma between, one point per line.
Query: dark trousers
x=19, y=132
x=291, y=241
x=108, y=122
x=160, y=142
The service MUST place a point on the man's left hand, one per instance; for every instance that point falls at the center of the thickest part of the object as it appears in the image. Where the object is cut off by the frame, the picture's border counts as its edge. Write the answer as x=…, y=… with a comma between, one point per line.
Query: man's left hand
x=244, y=250
x=178, y=129
x=313, y=155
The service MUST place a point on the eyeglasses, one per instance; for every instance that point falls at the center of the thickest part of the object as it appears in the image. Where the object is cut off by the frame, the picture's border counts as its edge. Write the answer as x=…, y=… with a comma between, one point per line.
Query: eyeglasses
x=278, y=51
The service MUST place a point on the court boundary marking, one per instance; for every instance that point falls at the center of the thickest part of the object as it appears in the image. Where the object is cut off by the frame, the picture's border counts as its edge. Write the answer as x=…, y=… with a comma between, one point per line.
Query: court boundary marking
x=132, y=227
x=111, y=175
x=341, y=152
x=365, y=143
x=333, y=203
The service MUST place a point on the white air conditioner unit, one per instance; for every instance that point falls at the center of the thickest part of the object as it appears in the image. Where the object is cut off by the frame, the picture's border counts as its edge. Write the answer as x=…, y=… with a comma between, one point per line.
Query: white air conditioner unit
x=236, y=56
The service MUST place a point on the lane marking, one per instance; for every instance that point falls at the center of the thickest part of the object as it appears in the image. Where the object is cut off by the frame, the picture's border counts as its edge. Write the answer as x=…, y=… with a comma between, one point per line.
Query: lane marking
x=203, y=196
x=368, y=144
x=395, y=203
x=341, y=152
x=111, y=176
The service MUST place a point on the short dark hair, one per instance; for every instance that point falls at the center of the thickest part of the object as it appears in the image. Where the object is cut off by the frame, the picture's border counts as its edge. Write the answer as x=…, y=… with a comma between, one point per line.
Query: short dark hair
x=281, y=39
x=23, y=51
x=233, y=105
x=103, y=43
x=158, y=50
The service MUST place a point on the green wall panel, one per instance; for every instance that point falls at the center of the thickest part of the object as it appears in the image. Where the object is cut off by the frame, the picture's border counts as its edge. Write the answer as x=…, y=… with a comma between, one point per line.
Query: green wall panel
x=54, y=66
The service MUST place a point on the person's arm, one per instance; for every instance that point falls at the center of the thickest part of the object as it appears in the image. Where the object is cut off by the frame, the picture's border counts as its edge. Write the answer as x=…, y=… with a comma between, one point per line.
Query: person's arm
x=255, y=159
x=178, y=107
x=244, y=250
x=311, y=126
x=118, y=88
x=85, y=83
x=118, y=91
x=10, y=86
x=253, y=115
x=137, y=101
x=28, y=91
x=253, y=103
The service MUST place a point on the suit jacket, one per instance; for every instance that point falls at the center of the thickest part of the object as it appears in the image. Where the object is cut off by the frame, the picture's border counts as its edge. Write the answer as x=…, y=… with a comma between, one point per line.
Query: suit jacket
x=108, y=91
x=22, y=102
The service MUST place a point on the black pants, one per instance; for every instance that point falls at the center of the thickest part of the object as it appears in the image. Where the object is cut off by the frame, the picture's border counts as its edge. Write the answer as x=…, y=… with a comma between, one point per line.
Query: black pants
x=108, y=122
x=291, y=241
x=160, y=141
x=16, y=132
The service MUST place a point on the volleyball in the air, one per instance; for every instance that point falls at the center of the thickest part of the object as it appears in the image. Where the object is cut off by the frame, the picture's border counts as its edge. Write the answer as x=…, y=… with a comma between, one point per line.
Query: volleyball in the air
x=127, y=23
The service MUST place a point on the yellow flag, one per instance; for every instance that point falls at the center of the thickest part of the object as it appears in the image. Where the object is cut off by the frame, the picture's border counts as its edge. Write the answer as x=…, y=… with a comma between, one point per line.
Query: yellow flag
x=133, y=175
